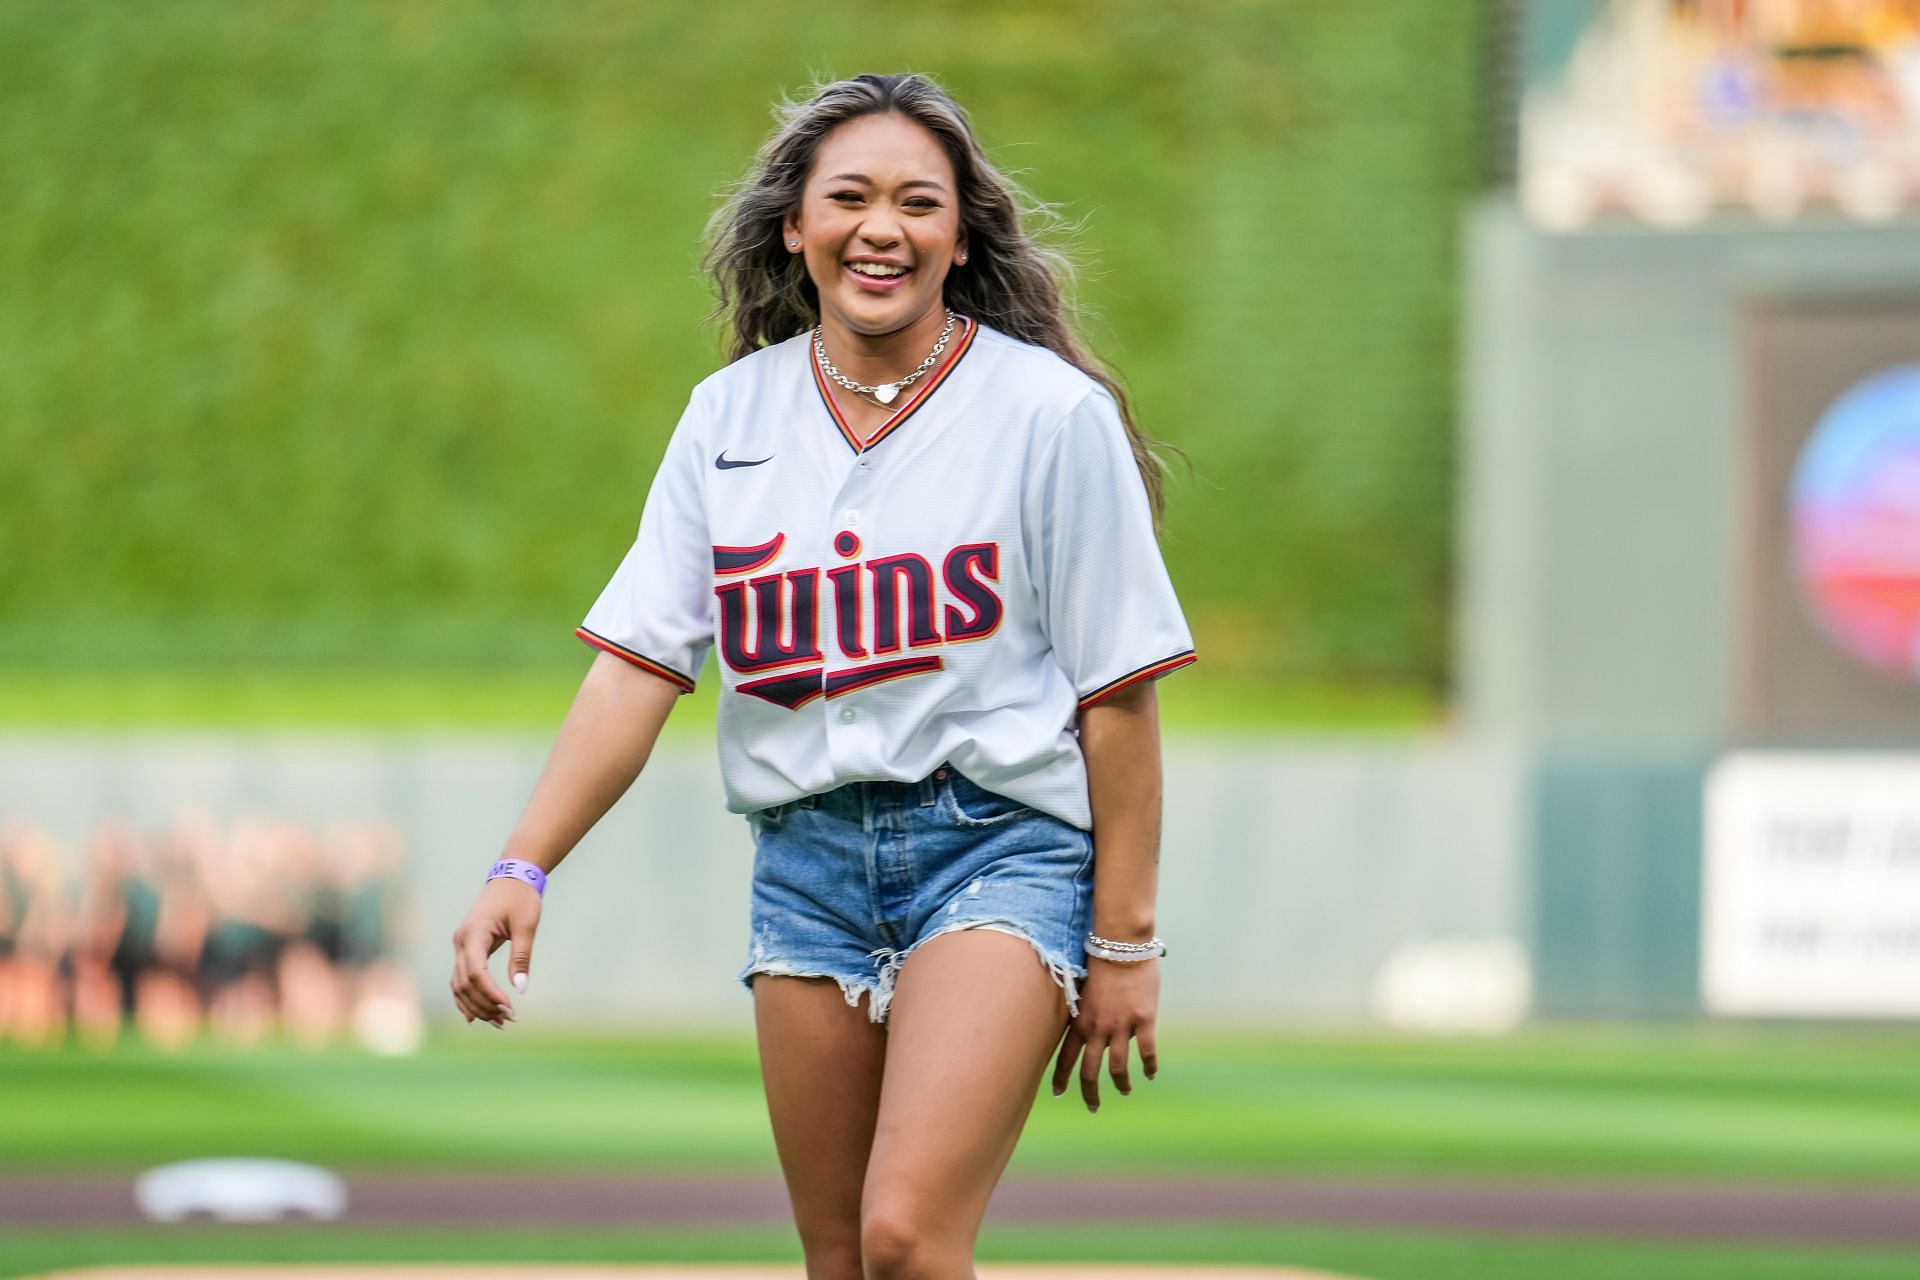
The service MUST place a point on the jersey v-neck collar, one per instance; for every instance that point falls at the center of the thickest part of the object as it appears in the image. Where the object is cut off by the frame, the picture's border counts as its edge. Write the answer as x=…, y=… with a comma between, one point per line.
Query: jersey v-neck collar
x=961, y=344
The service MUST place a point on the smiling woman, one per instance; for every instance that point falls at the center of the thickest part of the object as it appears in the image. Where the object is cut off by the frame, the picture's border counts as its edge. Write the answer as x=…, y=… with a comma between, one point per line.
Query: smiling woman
x=915, y=520
x=899, y=150
x=879, y=233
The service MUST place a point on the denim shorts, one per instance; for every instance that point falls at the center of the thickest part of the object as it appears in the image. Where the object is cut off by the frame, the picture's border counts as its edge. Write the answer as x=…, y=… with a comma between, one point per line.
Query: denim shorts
x=846, y=883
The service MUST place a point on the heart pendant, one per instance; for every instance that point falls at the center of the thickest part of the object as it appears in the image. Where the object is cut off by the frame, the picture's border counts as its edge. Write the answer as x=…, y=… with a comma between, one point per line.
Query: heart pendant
x=886, y=392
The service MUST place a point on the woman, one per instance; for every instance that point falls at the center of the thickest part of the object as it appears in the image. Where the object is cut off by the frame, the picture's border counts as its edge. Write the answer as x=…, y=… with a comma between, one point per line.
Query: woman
x=917, y=522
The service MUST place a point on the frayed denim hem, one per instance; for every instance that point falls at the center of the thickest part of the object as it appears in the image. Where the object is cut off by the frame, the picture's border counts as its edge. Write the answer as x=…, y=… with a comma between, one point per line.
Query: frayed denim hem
x=764, y=961
x=1066, y=976
x=851, y=988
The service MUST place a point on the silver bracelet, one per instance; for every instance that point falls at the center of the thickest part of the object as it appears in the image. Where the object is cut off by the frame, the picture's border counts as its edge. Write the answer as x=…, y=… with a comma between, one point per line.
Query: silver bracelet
x=1125, y=952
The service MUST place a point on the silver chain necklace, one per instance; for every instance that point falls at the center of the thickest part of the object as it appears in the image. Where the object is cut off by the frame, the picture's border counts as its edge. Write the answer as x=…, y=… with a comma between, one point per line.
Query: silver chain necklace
x=883, y=393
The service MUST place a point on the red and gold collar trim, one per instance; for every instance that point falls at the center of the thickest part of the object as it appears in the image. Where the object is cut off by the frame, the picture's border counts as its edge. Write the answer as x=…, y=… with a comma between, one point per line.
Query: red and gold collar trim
x=961, y=342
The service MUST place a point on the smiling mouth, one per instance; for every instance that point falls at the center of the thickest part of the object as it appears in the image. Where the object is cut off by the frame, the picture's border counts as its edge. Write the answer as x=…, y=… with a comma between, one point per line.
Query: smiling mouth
x=877, y=270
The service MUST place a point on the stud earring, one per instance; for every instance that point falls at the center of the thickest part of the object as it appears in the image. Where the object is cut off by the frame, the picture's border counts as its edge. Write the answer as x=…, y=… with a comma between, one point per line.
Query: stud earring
x=793, y=244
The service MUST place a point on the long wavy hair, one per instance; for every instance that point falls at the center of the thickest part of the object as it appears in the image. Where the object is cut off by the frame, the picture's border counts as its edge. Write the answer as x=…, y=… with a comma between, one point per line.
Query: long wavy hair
x=1010, y=281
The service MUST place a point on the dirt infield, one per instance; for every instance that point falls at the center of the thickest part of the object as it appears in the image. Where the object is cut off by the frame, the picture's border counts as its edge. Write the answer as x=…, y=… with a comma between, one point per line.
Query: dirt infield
x=675, y=1272
x=1647, y=1210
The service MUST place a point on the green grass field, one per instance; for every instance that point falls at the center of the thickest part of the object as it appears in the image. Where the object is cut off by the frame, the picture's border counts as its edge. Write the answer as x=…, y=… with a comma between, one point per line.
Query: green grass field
x=1778, y=1106
x=1723, y=1105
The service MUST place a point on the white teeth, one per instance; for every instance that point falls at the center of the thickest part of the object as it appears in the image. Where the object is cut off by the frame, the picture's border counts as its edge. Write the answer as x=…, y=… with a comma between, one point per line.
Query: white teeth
x=876, y=269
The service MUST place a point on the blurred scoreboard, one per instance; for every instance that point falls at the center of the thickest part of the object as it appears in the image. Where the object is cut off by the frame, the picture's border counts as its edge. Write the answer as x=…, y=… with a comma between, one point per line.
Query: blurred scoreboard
x=1810, y=890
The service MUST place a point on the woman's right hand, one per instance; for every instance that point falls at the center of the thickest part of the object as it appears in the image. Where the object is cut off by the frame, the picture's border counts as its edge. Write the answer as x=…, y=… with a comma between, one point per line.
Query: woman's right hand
x=507, y=910
x=604, y=741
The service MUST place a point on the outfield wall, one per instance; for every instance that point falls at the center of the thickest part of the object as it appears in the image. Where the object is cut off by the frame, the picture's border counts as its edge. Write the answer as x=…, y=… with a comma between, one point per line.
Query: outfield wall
x=1291, y=873
x=1628, y=610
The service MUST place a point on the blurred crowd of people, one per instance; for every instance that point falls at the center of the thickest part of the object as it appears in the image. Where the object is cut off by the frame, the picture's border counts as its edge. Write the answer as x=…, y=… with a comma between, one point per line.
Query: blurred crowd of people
x=257, y=929
x=1671, y=110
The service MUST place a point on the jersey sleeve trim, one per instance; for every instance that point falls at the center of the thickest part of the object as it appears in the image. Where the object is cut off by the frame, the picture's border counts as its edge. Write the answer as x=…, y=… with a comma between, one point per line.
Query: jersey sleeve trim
x=1152, y=671
x=639, y=660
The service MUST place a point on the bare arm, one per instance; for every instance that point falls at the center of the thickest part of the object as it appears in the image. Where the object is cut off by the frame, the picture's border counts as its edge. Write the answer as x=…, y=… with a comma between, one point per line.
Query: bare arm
x=603, y=743
x=1120, y=739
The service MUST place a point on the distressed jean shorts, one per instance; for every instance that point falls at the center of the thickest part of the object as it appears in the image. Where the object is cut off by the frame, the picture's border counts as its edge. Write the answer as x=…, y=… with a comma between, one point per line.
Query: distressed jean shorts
x=846, y=883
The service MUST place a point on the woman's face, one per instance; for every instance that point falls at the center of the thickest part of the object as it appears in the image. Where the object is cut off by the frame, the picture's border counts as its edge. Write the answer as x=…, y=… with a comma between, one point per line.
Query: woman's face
x=879, y=224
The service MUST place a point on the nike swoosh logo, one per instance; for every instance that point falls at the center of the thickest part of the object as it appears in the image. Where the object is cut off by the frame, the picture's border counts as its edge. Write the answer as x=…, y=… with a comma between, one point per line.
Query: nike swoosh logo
x=727, y=464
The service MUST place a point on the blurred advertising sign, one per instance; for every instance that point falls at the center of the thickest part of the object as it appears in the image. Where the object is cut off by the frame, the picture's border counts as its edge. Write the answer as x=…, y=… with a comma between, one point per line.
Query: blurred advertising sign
x=1827, y=643
x=1811, y=886
x=1856, y=518
x=1673, y=111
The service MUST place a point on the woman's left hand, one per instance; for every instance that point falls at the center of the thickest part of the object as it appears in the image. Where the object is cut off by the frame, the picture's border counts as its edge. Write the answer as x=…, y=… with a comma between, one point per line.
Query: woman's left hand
x=1117, y=1004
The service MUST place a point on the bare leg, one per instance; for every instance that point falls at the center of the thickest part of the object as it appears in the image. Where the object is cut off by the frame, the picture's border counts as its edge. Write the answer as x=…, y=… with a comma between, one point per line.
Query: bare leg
x=168, y=1011
x=96, y=1004
x=975, y=1018
x=311, y=1003
x=9, y=985
x=820, y=1060
x=243, y=1012
x=40, y=999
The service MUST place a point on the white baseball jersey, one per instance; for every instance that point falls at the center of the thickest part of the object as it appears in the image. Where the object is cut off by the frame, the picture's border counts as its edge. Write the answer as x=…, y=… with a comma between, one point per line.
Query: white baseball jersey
x=958, y=589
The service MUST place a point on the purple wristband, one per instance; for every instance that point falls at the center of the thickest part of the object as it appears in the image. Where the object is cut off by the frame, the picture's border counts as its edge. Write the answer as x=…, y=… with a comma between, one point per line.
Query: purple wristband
x=518, y=870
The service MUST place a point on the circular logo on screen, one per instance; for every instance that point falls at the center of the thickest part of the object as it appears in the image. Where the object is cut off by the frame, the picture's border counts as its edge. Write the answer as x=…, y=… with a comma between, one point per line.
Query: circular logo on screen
x=1856, y=521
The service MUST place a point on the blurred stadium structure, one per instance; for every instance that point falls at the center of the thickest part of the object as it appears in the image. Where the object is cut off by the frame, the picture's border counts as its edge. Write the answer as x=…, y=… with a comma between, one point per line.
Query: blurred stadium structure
x=1673, y=111
x=1687, y=520
x=1690, y=522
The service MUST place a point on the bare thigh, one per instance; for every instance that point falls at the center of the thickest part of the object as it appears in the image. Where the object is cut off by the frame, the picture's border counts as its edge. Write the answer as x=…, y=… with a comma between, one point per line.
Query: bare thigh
x=820, y=1060
x=974, y=1020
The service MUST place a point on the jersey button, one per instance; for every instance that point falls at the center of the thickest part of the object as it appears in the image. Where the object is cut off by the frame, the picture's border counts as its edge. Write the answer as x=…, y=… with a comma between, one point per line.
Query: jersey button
x=847, y=715
x=851, y=519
